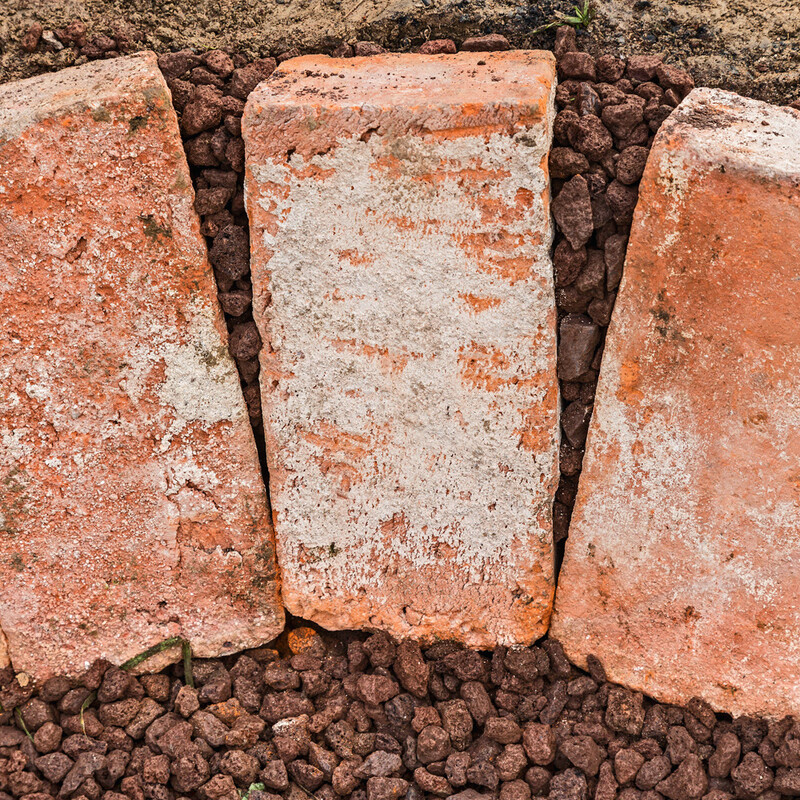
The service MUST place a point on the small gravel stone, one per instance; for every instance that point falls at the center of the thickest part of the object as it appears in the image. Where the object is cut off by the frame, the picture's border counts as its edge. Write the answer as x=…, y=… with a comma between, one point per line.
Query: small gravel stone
x=568, y=785
x=653, y=771
x=381, y=764
x=609, y=68
x=244, y=79
x=671, y=77
x=643, y=68
x=539, y=742
x=689, y=781
x=433, y=744
x=631, y=163
x=751, y=777
x=503, y=730
x=437, y=47
x=621, y=119
x=368, y=49
x=583, y=752
x=577, y=66
x=575, y=424
x=564, y=162
x=386, y=788
x=30, y=41
x=627, y=763
x=590, y=136
x=375, y=689
x=54, y=766
x=679, y=744
x=578, y=338
x=230, y=253
x=433, y=784
x=274, y=775
x=572, y=209
x=492, y=42
x=457, y=721
x=483, y=773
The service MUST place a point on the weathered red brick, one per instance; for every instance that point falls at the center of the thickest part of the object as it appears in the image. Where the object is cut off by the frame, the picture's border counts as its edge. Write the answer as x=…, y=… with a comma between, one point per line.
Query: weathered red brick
x=681, y=565
x=132, y=504
x=403, y=288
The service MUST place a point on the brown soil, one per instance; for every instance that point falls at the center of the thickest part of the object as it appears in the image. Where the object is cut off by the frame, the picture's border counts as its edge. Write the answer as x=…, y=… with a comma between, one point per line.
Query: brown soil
x=750, y=46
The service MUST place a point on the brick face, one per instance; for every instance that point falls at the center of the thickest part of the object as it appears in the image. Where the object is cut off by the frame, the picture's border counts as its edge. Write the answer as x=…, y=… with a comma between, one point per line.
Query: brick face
x=681, y=565
x=403, y=287
x=132, y=504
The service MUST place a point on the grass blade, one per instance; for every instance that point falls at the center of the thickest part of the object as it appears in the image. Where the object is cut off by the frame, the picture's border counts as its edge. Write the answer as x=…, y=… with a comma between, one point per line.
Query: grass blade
x=22, y=724
x=90, y=698
x=173, y=641
x=187, y=664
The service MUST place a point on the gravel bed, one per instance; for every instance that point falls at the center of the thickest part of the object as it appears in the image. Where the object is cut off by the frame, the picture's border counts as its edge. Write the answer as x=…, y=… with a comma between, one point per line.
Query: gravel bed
x=364, y=717
x=609, y=110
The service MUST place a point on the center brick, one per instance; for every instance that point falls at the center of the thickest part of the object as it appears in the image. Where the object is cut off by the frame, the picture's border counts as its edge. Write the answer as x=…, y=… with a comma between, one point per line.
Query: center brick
x=403, y=288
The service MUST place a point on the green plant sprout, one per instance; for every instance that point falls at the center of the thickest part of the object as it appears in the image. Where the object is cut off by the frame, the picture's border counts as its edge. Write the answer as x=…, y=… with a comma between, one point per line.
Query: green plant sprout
x=253, y=787
x=22, y=724
x=173, y=641
x=580, y=18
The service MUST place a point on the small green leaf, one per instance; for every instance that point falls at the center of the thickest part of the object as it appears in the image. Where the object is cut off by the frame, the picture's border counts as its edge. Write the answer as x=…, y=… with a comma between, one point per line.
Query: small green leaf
x=187, y=664
x=173, y=641
x=253, y=787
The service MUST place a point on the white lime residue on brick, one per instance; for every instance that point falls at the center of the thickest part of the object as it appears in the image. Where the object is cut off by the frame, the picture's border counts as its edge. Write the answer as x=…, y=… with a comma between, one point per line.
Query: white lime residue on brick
x=200, y=377
x=370, y=282
x=67, y=91
x=736, y=126
x=136, y=506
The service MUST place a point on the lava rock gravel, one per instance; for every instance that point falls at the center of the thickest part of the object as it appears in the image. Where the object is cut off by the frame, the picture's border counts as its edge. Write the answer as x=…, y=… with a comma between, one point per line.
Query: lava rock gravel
x=362, y=716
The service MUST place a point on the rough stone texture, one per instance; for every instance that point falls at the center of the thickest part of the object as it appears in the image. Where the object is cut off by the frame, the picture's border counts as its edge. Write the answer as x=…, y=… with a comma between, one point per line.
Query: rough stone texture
x=400, y=229
x=750, y=46
x=681, y=565
x=132, y=504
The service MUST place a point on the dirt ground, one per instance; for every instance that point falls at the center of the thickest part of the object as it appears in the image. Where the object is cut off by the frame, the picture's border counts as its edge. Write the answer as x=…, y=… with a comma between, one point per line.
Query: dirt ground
x=750, y=46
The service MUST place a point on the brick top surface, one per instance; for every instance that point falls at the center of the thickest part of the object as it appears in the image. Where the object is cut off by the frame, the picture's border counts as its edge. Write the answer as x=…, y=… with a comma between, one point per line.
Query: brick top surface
x=312, y=102
x=680, y=570
x=403, y=286
x=724, y=129
x=413, y=80
x=131, y=502
x=85, y=88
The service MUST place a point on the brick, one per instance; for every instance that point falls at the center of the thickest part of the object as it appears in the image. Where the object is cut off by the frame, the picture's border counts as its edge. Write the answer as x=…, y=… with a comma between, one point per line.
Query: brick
x=681, y=564
x=403, y=288
x=133, y=507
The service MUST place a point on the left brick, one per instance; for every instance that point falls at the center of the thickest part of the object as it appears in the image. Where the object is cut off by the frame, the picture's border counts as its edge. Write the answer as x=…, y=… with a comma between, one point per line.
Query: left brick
x=132, y=507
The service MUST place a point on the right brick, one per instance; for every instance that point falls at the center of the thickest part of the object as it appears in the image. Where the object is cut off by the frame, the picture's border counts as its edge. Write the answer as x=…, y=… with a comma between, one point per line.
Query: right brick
x=682, y=567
